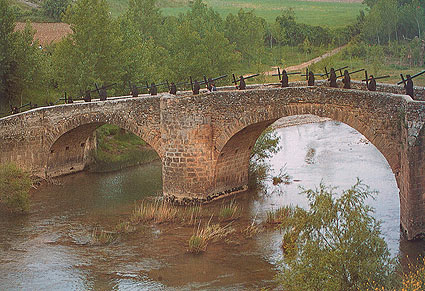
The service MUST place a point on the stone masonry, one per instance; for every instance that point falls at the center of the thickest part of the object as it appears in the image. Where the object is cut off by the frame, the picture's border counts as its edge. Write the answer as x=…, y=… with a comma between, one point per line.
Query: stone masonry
x=205, y=141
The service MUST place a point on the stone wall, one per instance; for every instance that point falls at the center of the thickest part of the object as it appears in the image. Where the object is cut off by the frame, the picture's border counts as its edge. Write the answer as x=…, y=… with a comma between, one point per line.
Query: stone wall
x=56, y=140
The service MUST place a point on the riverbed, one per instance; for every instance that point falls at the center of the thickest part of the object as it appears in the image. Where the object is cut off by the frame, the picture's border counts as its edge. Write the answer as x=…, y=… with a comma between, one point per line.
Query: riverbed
x=49, y=250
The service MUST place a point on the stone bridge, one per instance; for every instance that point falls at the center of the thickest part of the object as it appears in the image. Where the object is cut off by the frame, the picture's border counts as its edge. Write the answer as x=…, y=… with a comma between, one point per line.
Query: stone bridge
x=205, y=141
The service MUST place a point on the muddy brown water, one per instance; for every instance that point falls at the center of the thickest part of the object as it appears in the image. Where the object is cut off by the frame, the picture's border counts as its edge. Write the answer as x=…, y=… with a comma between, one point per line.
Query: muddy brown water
x=48, y=250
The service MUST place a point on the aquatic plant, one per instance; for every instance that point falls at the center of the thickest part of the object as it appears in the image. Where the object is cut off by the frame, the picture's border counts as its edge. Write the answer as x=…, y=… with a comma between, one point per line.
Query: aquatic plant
x=198, y=242
x=158, y=212
x=102, y=237
x=251, y=230
x=15, y=185
x=279, y=215
x=230, y=211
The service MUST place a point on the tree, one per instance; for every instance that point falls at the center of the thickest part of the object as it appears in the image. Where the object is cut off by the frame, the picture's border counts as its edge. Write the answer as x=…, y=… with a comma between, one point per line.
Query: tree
x=147, y=17
x=247, y=31
x=335, y=244
x=55, y=8
x=142, y=58
x=23, y=66
x=196, y=45
x=92, y=52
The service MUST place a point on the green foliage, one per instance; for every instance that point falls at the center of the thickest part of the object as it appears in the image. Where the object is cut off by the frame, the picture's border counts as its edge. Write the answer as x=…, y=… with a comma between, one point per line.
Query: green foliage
x=23, y=66
x=335, y=244
x=265, y=146
x=14, y=188
x=55, y=8
x=394, y=20
x=247, y=31
x=92, y=53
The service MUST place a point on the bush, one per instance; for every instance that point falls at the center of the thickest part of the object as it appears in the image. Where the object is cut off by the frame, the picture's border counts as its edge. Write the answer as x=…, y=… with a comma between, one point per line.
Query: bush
x=336, y=244
x=14, y=188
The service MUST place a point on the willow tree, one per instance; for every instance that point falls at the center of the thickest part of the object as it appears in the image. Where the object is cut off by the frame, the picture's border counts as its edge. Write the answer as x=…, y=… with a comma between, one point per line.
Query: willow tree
x=336, y=244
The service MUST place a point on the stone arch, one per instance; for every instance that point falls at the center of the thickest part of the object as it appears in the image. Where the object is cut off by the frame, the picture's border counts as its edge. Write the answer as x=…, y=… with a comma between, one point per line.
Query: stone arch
x=233, y=146
x=68, y=143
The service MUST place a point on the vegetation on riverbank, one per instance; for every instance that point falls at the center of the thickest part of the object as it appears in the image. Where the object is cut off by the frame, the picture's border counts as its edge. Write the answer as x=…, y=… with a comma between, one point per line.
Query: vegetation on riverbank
x=15, y=185
x=335, y=244
x=117, y=149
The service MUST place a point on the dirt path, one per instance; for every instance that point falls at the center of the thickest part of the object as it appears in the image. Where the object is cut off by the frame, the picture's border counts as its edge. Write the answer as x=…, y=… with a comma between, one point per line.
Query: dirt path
x=30, y=4
x=308, y=63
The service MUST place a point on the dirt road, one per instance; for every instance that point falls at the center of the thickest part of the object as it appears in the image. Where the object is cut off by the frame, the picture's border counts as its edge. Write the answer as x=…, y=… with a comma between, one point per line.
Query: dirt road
x=308, y=63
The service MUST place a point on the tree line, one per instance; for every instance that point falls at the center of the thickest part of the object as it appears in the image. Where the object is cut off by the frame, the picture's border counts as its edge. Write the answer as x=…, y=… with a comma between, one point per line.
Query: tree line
x=144, y=45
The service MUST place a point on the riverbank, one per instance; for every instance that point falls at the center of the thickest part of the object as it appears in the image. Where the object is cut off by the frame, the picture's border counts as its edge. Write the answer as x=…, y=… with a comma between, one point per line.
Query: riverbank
x=118, y=149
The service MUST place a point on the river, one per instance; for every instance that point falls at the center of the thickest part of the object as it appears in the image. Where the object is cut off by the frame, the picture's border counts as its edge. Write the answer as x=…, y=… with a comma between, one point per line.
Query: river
x=48, y=250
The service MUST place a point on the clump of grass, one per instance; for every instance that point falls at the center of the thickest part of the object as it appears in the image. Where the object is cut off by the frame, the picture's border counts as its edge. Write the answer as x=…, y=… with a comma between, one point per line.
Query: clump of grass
x=191, y=215
x=231, y=211
x=198, y=242
x=158, y=212
x=102, y=237
x=278, y=216
x=15, y=185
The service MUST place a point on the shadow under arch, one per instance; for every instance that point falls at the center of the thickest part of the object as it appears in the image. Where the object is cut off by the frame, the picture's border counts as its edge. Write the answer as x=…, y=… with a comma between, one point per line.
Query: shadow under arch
x=73, y=150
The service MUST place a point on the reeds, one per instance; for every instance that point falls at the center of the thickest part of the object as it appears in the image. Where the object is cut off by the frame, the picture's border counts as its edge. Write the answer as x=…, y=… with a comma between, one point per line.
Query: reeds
x=198, y=242
x=102, y=237
x=158, y=212
x=229, y=212
x=279, y=215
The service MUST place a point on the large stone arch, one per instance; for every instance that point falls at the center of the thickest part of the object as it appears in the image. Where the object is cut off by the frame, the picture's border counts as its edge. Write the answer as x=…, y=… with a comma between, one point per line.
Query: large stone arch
x=68, y=143
x=233, y=147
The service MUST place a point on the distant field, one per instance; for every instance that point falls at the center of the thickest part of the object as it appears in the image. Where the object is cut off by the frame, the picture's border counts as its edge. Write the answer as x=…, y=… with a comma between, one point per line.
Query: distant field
x=331, y=14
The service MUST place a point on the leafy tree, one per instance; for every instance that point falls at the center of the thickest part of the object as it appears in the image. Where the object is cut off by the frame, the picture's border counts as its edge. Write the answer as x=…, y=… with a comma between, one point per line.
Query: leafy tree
x=23, y=67
x=247, y=31
x=335, y=244
x=55, y=8
x=92, y=52
x=196, y=46
x=142, y=59
x=147, y=17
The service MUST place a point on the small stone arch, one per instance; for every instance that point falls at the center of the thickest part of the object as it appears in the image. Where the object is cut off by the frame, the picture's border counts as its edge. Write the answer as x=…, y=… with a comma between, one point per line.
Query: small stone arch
x=68, y=143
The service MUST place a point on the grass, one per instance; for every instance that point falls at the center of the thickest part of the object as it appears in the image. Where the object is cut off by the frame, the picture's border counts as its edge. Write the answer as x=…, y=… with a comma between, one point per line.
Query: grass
x=278, y=216
x=198, y=242
x=15, y=185
x=331, y=14
x=230, y=211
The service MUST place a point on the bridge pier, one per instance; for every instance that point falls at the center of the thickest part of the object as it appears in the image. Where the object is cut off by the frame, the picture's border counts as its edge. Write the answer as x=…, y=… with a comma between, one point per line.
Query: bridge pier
x=186, y=138
x=411, y=179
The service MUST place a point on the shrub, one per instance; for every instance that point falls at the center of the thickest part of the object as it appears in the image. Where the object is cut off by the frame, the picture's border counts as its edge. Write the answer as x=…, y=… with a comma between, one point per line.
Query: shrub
x=14, y=188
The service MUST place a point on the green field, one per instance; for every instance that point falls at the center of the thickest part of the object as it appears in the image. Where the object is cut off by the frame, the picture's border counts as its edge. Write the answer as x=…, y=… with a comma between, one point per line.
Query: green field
x=331, y=14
